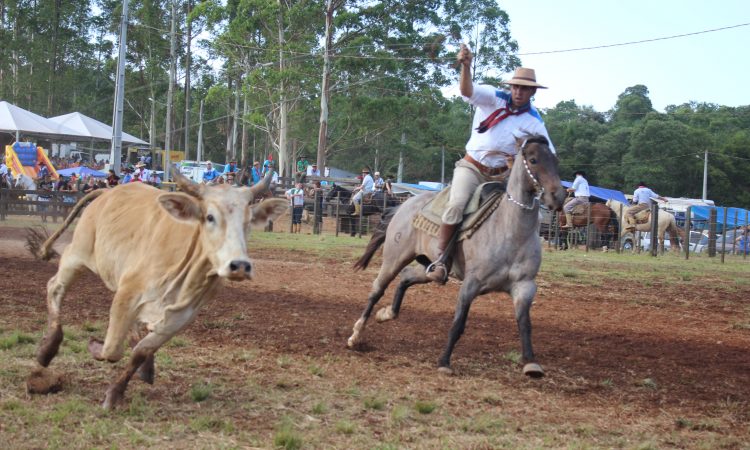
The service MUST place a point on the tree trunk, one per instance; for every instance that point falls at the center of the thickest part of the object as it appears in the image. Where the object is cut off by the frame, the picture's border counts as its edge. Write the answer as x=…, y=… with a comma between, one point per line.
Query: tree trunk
x=188, y=59
x=283, y=107
x=325, y=88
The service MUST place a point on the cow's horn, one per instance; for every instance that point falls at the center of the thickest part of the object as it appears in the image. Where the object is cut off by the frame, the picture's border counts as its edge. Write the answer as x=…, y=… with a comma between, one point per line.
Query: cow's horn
x=262, y=186
x=185, y=184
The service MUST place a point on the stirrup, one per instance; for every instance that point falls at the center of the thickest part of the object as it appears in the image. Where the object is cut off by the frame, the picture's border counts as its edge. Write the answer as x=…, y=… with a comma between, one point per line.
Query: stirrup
x=432, y=268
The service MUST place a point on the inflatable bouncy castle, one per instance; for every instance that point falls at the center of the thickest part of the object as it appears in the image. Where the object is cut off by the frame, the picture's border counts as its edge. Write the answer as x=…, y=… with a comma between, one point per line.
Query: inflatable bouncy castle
x=25, y=157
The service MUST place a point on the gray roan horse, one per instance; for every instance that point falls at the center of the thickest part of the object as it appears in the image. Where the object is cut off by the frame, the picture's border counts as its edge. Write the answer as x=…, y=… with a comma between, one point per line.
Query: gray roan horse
x=503, y=255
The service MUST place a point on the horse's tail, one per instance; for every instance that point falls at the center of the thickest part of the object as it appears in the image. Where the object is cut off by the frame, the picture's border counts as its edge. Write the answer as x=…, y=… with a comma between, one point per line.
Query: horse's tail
x=378, y=237
x=34, y=238
x=676, y=234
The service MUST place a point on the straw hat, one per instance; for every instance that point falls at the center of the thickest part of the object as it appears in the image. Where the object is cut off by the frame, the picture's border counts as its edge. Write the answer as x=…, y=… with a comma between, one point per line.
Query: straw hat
x=525, y=77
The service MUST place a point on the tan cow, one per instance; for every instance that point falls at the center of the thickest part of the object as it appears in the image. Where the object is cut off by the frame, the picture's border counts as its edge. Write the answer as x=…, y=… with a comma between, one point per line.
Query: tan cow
x=162, y=254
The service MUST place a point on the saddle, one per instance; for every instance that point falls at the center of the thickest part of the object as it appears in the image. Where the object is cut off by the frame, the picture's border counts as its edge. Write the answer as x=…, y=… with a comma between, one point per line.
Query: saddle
x=483, y=203
x=643, y=217
x=367, y=198
x=579, y=210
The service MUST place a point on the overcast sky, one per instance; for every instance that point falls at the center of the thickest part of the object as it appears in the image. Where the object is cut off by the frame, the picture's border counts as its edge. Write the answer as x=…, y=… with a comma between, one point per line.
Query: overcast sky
x=711, y=67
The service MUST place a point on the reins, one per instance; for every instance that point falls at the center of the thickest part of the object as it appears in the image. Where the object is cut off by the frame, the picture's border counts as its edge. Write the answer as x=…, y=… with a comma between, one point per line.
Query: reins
x=538, y=188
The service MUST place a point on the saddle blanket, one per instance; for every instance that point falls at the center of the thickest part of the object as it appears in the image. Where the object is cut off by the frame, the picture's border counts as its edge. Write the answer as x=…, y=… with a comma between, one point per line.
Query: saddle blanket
x=483, y=203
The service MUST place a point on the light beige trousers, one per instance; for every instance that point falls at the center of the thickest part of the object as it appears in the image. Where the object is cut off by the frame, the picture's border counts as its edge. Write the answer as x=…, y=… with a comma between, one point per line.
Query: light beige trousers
x=466, y=179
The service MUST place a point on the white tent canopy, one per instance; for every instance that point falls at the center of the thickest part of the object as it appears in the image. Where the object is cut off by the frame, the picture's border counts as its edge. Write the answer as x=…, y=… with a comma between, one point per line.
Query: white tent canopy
x=92, y=128
x=19, y=121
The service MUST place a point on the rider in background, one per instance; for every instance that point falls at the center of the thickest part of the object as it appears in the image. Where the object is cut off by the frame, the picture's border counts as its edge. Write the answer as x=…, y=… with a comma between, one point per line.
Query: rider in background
x=581, y=197
x=367, y=187
x=500, y=117
x=642, y=197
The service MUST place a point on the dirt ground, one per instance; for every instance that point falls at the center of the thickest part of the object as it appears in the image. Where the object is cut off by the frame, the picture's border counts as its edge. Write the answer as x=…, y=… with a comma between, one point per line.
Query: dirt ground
x=621, y=351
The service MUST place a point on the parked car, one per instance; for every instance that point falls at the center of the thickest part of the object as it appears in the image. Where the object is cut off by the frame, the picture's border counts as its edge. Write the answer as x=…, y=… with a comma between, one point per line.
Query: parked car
x=194, y=169
x=698, y=241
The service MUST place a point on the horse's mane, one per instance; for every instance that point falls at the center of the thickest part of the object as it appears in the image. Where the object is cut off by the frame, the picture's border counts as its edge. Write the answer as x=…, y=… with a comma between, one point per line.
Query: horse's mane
x=536, y=139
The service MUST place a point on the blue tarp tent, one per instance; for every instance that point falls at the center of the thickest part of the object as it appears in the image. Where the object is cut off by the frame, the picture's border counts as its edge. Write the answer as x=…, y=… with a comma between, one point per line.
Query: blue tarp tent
x=81, y=171
x=602, y=193
x=702, y=213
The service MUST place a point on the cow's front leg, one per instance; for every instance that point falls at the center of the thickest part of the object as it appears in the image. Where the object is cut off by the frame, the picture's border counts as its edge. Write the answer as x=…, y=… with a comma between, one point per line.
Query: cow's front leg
x=116, y=390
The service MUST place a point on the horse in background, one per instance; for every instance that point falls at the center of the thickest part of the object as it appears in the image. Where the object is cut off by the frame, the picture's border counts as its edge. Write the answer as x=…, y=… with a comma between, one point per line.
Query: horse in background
x=602, y=217
x=377, y=203
x=26, y=183
x=667, y=223
x=503, y=255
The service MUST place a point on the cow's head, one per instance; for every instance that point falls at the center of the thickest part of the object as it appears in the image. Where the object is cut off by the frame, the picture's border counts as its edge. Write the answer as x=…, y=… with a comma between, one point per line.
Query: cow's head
x=224, y=214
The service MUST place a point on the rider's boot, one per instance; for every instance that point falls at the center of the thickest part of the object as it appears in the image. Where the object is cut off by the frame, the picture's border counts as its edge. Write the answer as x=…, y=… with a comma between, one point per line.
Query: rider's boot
x=438, y=271
x=357, y=208
x=568, y=221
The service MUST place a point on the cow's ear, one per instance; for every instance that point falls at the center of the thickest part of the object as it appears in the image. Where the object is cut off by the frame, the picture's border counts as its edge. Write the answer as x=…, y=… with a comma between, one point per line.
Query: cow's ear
x=181, y=206
x=268, y=210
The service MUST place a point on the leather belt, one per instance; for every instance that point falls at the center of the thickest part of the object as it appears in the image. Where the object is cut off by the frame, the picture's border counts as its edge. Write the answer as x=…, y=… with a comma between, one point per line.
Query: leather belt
x=485, y=170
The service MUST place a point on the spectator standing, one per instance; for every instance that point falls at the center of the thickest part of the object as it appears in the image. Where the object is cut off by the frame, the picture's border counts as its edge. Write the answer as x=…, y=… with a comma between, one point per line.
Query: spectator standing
x=742, y=242
x=314, y=171
x=43, y=171
x=379, y=182
x=296, y=196
x=256, y=173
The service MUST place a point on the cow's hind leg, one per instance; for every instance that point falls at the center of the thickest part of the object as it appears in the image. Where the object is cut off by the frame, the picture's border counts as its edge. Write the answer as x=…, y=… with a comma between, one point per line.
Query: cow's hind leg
x=466, y=296
x=387, y=273
x=173, y=322
x=523, y=296
x=409, y=277
x=41, y=380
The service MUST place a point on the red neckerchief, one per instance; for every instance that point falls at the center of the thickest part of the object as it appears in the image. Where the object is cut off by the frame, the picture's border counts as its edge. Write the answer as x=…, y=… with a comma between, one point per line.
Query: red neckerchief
x=499, y=115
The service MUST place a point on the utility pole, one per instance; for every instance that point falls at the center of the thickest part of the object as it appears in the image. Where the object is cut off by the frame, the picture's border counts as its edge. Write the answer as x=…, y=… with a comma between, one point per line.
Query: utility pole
x=705, y=176
x=199, y=145
x=115, y=155
x=400, y=173
x=442, y=166
x=170, y=95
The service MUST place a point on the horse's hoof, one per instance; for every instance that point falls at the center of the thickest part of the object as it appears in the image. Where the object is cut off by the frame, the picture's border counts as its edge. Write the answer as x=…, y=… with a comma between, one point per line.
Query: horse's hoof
x=446, y=370
x=385, y=314
x=352, y=342
x=533, y=370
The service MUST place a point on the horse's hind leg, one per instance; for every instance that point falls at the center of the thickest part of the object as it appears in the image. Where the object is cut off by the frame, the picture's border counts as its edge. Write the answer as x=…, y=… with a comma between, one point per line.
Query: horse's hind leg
x=385, y=276
x=409, y=277
x=41, y=381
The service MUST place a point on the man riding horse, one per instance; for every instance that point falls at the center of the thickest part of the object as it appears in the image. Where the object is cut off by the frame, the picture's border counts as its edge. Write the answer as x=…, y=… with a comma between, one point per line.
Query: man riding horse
x=500, y=116
x=580, y=189
x=642, y=197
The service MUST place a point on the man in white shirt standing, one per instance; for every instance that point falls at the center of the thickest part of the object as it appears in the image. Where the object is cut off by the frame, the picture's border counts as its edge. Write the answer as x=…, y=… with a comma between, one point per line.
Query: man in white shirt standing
x=580, y=188
x=367, y=187
x=642, y=197
x=501, y=116
x=296, y=196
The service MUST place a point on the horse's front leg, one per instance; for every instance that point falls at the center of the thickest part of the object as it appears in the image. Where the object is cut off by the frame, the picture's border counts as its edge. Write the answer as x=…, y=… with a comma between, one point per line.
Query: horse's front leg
x=467, y=294
x=523, y=295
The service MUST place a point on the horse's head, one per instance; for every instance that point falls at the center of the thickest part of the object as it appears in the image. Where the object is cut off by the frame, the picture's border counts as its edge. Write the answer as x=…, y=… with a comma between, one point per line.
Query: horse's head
x=541, y=175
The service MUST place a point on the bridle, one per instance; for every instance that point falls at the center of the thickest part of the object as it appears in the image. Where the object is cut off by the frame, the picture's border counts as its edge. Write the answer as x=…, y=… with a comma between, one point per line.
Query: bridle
x=538, y=188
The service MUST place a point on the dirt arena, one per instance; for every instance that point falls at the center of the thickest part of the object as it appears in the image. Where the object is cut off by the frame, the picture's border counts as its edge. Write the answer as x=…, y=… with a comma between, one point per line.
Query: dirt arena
x=656, y=360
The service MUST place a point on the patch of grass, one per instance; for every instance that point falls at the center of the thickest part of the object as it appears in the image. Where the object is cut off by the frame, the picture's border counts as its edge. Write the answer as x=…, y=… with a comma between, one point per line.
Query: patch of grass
x=686, y=276
x=648, y=383
x=399, y=413
x=178, y=342
x=345, y=427
x=424, y=407
x=375, y=403
x=69, y=409
x=284, y=361
x=200, y=391
x=92, y=327
x=211, y=423
x=316, y=370
x=286, y=438
x=14, y=339
x=741, y=326
x=483, y=424
x=319, y=408
x=607, y=383
x=513, y=356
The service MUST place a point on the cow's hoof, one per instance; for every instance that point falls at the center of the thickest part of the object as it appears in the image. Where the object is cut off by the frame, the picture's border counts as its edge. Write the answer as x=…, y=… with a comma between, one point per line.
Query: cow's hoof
x=385, y=314
x=353, y=341
x=533, y=370
x=111, y=400
x=446, y=370
x=44, y=381
x=146, y=372
x=95, y=348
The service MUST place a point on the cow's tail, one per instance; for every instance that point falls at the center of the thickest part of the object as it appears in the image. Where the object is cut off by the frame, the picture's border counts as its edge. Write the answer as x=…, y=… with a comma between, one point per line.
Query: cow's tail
x=378, y=237
x=39, y=243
